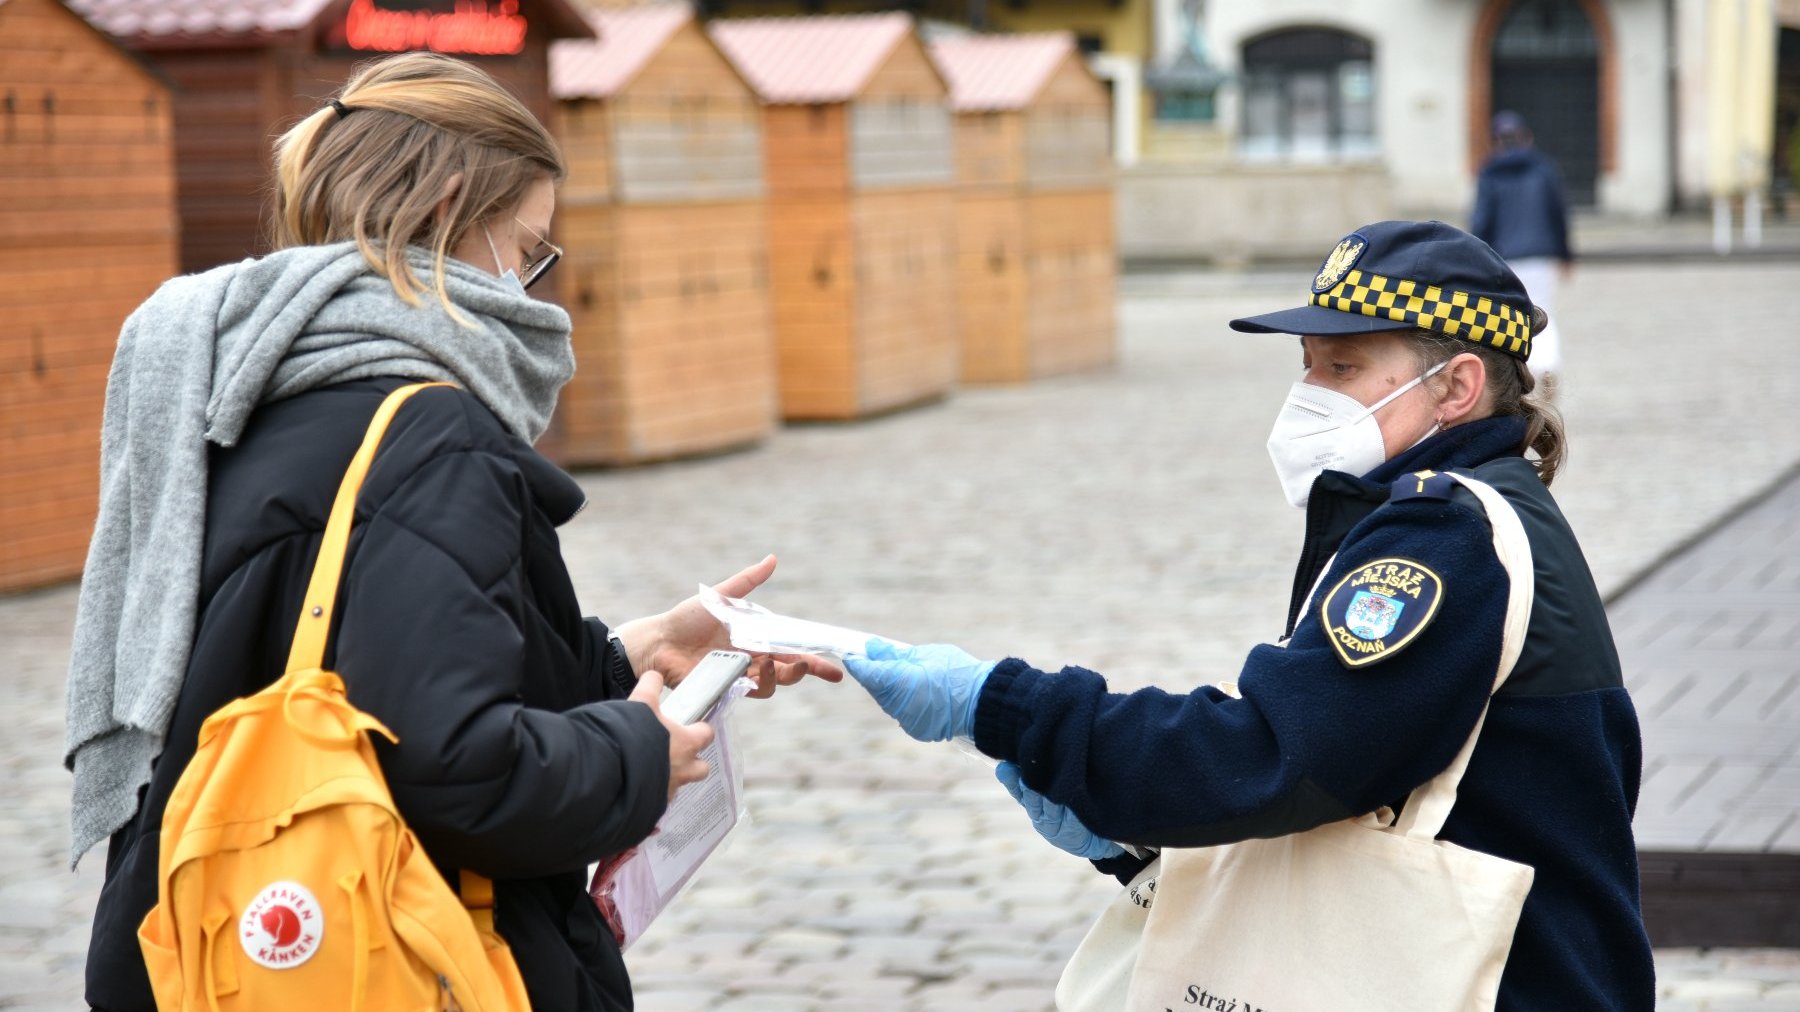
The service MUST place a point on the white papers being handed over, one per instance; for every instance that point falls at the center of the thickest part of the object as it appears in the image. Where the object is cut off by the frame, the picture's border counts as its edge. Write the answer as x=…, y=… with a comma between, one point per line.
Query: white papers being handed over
x=759, y=630
x=632, y=888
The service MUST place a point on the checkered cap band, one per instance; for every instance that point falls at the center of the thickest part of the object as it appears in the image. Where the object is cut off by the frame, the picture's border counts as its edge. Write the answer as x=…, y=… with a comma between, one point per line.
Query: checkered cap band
x=1459, y=314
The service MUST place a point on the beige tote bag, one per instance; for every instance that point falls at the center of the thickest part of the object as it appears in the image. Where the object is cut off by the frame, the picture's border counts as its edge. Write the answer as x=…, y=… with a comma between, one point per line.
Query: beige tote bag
x=1366, y=914
x=1099, y=974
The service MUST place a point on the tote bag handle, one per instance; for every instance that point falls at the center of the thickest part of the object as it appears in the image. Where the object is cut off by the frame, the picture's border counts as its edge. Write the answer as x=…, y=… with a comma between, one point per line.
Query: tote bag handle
x=1429, y=806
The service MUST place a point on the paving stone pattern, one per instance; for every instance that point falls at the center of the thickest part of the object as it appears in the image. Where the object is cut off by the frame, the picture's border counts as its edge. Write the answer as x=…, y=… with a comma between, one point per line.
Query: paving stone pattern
x=1127, y=521
x=1711, y=641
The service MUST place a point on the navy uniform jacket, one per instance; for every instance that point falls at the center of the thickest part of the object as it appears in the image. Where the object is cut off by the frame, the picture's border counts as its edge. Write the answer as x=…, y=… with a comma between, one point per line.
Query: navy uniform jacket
x=1554, y=777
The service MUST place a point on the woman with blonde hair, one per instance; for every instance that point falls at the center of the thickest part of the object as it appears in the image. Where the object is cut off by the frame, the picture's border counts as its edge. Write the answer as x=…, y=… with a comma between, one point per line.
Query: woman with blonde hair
x=412, y=212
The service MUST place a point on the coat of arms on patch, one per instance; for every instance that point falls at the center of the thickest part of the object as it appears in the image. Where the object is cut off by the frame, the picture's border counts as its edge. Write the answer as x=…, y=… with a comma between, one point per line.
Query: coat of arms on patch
x=1371, y=616
x=1339, y=262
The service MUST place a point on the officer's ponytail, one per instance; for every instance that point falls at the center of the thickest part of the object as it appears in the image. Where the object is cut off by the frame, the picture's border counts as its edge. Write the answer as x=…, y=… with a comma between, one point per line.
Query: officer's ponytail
x=1543, y=423
x=1510, y=385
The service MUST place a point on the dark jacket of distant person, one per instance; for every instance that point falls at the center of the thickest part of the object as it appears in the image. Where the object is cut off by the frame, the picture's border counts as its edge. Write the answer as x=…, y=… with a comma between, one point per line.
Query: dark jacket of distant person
x=454, y=575
x=1520, y=208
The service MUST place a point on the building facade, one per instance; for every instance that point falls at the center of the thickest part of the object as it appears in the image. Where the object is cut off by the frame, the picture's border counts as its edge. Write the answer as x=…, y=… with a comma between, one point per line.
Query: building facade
x=1288, y=112
x=1338, y=111
x=1411, y=86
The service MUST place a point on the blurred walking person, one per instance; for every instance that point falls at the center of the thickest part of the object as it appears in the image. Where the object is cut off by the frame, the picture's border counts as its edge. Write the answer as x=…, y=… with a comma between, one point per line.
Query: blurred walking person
x=1522, y=212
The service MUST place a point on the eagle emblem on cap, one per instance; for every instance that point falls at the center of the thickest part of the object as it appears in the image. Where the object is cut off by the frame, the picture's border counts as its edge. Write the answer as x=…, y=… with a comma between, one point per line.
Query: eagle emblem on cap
x=1339, y=262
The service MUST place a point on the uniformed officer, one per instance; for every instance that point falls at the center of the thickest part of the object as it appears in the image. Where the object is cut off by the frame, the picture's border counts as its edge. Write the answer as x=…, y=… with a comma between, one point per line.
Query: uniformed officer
x=1414, y=340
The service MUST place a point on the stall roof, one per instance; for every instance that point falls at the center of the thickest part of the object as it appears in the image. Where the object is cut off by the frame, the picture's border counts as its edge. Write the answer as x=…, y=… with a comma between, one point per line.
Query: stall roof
x=810, y=60
x=150, y=70
x=170, y=24
x=628, y=38
x=999, y=72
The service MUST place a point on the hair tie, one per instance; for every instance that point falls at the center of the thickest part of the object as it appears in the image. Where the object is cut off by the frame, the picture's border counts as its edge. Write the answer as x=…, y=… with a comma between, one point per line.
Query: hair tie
x=342, y=109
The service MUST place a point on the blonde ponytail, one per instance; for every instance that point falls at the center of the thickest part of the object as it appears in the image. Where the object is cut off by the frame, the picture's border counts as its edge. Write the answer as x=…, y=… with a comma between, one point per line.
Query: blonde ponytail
x=293, y=152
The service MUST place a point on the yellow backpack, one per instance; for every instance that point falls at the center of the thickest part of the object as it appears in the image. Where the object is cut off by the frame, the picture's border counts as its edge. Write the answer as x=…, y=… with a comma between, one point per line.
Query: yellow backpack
x=287, y=880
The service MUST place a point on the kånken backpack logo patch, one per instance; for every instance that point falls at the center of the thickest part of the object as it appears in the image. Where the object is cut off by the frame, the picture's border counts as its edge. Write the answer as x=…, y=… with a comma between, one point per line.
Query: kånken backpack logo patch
x=282, y=926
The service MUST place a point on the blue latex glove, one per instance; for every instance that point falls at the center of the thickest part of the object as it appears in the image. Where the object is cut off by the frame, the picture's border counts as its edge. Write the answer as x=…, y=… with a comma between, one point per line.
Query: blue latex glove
x=931, y=690
x=1055, y=822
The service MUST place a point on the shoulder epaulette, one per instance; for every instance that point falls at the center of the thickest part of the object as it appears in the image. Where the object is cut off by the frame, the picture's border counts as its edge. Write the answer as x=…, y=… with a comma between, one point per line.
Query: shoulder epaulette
x=1422, y=485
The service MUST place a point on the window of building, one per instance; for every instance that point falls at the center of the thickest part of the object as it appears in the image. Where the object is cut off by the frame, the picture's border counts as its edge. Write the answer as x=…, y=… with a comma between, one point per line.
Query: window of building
x=1184, y=89
x=1185, y=106
x=1308, y=96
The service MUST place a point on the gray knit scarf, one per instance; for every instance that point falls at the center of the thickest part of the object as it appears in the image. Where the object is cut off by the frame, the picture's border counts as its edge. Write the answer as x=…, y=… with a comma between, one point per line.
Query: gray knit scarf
x=193, y=363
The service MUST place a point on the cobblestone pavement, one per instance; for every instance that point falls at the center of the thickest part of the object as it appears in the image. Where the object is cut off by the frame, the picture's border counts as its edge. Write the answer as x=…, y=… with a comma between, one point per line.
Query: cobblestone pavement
x=1127, y=521
x=1710, y=641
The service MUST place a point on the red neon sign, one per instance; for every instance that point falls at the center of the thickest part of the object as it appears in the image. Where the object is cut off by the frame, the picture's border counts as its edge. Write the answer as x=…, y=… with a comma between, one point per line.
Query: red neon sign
x=471, y=27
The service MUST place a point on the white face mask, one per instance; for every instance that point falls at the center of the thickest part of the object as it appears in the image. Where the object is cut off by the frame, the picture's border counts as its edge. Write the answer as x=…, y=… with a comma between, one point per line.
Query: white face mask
x=510, y=276
x=1320, y=428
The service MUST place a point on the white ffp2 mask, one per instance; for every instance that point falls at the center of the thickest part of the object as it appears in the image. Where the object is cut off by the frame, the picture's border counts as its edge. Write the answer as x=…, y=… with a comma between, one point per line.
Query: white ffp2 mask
x=1319, y=429
x=509, y=276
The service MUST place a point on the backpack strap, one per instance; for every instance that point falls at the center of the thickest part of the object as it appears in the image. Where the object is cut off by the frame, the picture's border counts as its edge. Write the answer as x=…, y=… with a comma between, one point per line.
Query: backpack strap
x=310, y=634
x=477, y=895
x=308, y=651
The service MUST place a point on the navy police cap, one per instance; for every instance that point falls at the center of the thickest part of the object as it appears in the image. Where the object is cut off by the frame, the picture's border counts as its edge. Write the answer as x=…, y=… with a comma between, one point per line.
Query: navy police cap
x=1395, y=274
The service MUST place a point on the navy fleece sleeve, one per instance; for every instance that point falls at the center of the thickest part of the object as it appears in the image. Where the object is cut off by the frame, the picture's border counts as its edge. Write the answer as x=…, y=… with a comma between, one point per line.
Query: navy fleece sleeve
x=1312, y=740
x=432, y=644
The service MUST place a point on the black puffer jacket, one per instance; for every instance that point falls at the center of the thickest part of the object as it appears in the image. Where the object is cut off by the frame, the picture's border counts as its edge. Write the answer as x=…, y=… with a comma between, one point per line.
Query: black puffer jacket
x=458, y=628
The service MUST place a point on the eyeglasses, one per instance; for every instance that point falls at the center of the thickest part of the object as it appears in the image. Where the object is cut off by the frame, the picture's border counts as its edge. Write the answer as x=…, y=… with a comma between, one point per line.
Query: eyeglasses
x=541, y=259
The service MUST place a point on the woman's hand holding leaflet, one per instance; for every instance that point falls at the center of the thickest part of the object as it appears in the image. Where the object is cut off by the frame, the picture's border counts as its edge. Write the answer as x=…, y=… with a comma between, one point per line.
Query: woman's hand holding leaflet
x=674, y=641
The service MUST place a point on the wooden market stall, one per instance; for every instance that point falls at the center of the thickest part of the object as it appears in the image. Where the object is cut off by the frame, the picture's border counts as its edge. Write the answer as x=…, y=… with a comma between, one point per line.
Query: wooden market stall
x=246, y=70
x=1036, y=254
x=857, y=149
x=662, y=215
x=87, y=231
